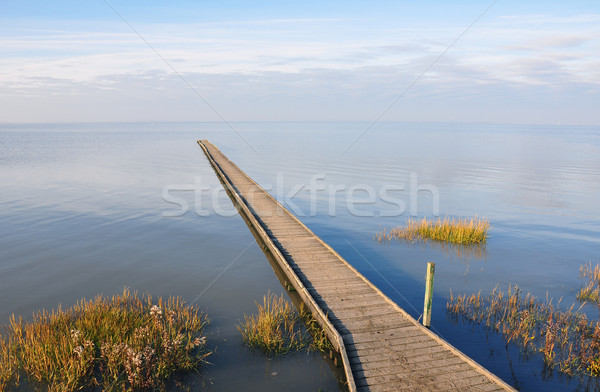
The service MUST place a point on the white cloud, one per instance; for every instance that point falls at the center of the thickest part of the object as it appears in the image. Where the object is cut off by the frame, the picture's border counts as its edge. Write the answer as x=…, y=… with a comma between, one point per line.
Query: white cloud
x=288, y=64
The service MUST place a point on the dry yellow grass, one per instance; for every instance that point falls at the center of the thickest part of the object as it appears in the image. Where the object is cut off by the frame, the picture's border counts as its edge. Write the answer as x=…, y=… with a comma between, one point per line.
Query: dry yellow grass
x=123, y=343
x=566, y=339
x=457, y=231
x=278, y=329
x=590, y=292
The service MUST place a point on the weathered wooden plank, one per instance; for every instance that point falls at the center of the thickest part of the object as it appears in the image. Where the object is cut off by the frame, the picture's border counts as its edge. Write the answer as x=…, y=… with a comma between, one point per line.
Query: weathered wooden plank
x=399, y=366
x=333, y=278
x=394, y=382
x=390, y=345
x=388, y=334
x=323, y=268
x=359, y=311
x=343, y=298
x=375, y=323
x=358, y=288
x=344, y=305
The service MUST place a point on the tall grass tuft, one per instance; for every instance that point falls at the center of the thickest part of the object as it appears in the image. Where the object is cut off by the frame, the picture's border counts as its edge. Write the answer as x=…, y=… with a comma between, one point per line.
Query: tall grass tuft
x=275, y=329
x=123, y=343
x=278, y=329
x=457, y=231
x=566, y=339
x=590, y=292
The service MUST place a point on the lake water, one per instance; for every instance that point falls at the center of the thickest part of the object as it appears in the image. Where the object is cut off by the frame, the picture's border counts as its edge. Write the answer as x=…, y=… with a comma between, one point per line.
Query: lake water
x=92, y=208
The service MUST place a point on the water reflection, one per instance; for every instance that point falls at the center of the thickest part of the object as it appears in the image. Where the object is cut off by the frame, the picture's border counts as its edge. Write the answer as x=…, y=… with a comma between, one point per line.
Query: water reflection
x=463, y=254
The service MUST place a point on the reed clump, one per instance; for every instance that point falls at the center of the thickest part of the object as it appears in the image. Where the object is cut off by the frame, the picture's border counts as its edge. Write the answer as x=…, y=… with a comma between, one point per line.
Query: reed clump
x=457, y=231
x=123, y=343
x=590, y=292
x=278, y=329
x=566, y=339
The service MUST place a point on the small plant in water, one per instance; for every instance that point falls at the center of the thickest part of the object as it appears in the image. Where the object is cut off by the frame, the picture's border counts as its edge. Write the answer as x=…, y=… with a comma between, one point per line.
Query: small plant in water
x=125, y=343
x=275, y=329
x=457, y=231
x=566, y=339
x=319, y=339
x=590, y=292
x=278, y=329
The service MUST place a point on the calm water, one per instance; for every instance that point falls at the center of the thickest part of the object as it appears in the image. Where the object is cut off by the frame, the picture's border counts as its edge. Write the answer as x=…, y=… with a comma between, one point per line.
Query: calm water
x=83, y=211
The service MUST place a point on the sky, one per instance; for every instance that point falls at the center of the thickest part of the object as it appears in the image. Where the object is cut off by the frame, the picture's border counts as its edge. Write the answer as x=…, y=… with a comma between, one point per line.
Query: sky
x=534, y=62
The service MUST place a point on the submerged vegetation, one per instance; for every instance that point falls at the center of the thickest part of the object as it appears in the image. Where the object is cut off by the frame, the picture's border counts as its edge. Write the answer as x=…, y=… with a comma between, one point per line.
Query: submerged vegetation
x=457, y=231
x=123, y=343
x=566, y=339
x=278, y=329
x=590, y=292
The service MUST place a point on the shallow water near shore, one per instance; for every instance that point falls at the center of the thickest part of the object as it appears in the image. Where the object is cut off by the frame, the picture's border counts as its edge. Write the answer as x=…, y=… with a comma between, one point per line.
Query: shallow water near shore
x=91, y=208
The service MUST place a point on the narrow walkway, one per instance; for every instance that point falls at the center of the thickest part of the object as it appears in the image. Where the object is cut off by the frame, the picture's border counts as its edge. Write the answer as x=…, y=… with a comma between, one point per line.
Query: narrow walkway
x=382, y=348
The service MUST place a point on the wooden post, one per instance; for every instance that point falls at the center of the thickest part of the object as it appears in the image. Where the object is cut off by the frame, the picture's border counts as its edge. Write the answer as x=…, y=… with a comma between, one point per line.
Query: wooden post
x=428, y=294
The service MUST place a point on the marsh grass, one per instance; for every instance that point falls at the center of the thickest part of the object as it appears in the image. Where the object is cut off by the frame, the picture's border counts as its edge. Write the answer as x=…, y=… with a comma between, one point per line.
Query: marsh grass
x=275, y=329
x=123, y=343
x=590, y=292
x=566, y=339
x=319, y=340
x=278, y=329
x=457, y=231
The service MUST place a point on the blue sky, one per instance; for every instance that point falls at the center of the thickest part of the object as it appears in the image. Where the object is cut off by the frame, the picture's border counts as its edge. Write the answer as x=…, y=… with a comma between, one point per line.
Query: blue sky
x=522, y=62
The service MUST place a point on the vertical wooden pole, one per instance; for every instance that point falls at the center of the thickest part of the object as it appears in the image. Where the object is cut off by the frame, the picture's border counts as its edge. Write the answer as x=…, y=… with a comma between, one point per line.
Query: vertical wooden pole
x=428, y=294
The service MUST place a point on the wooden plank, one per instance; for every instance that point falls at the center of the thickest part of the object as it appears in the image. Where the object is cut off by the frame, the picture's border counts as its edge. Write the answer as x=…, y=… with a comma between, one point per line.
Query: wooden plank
x=343, y=300
x=359, y=288
x=374, y=323
x=323, y=268
x=414, y=338
x=361, y=311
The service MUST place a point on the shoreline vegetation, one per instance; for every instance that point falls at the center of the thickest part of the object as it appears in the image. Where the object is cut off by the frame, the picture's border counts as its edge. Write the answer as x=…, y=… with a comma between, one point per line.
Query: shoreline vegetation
x=278, y=328
x=132, y=343
x=567, y=339
x=123, y=343
x=465, y=231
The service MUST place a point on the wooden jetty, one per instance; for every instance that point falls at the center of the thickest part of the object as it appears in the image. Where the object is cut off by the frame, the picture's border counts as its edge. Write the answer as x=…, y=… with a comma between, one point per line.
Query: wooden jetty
x=380, y=346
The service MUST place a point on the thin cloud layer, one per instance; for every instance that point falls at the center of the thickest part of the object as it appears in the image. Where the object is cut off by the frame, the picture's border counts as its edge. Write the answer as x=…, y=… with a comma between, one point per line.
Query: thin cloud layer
x=303, y=69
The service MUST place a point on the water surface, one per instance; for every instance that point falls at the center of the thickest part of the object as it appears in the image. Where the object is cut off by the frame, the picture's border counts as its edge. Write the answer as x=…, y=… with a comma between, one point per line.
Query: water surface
x=83, y=212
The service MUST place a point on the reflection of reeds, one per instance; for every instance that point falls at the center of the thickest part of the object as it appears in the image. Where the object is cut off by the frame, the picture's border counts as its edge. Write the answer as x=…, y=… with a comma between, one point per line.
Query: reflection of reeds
x=590, y=292
x=457, y=231
x=566, y=339
x=463, y=253
x=123, y=343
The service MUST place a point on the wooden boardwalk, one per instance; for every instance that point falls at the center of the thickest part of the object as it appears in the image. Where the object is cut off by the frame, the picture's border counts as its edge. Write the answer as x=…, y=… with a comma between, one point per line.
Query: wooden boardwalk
x=381, y=347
